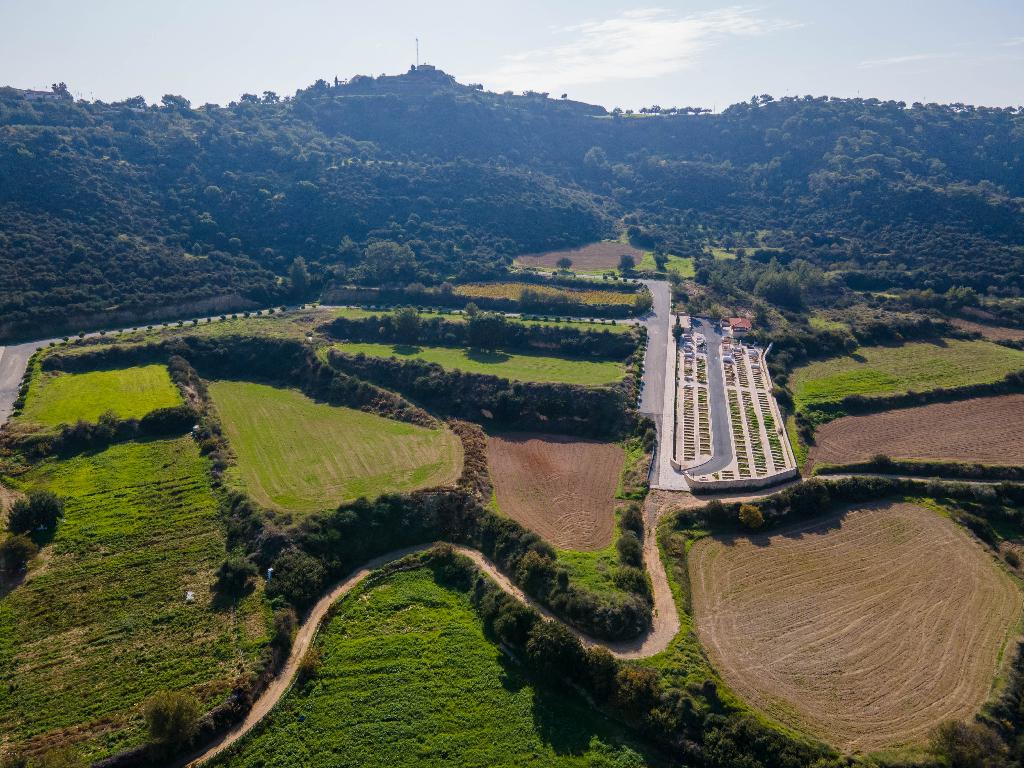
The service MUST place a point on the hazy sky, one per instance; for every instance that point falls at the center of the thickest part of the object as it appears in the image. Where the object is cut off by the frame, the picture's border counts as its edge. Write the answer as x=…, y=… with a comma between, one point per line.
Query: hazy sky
x=624, y=53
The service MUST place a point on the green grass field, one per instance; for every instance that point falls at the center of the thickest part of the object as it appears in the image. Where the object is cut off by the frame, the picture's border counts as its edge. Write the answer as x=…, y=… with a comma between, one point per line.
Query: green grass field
x=297, y=455
x=64, y=398
x=100, y=623
x=409, y=679
x=681, y=264
x=519, y=366
x=620, y=326
x=874, y=371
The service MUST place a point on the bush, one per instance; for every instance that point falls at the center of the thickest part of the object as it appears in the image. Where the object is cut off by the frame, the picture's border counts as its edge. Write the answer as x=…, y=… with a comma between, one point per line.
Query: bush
x=553, y=650
x=966, y=745
x=42, y=509
x=298, y=578
x=751, y=516
x=15, y=552
x=171, y=718
x=235, y=576
x=630, y=550
x=310, y=665
x=632, y=519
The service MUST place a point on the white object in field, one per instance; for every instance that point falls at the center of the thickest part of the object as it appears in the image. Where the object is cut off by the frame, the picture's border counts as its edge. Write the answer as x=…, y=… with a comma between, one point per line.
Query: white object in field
x=270, y=573
x=190, y=597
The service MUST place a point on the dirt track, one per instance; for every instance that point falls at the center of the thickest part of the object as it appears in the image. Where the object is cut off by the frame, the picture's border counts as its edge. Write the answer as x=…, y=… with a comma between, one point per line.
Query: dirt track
x=984, y=430
x=561, y=487
x=864, y=630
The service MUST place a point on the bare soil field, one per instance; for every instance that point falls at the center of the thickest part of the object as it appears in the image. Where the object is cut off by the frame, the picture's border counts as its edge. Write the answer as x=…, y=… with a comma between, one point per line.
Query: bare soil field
x=602, y=255
x=561, y=487
x=864, y=629
x=985, y=430
x=990, y=332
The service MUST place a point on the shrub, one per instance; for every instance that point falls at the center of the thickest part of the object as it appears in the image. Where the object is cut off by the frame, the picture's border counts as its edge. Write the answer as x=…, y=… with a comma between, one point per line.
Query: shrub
x=235, y=576
x=15, y=552
x=171, y=718
x=310, y=665
x=630, y=550
x=632, y=519
x=751, y=516
x=42, y=509
x=632, y=579
x=1012, y=559
x=553, y=650
x=966, y=745
x=297, y=578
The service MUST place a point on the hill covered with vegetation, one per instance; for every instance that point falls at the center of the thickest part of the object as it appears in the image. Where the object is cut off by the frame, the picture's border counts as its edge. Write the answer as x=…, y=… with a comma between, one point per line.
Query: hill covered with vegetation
x=126, y=207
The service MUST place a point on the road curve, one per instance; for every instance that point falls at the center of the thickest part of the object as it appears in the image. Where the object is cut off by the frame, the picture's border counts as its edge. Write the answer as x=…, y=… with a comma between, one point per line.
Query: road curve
x=664, y=628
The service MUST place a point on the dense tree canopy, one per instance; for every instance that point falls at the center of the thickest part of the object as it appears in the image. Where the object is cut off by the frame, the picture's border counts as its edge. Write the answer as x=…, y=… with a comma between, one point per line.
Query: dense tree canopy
x=416, y=178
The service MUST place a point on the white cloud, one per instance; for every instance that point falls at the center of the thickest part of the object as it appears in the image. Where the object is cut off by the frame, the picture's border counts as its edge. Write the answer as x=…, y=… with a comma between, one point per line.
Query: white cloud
x=637, y=44
x=907, y=59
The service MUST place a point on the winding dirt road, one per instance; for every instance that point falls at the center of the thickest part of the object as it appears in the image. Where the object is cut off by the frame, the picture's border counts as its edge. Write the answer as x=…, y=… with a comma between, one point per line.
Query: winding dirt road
x=664, y=627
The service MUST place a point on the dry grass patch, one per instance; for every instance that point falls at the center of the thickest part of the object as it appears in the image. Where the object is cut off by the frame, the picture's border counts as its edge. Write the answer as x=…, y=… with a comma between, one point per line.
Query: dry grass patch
x=561, y=487
x=990, y=332
x=594, y=256
x=985, y=430
x=864, y=629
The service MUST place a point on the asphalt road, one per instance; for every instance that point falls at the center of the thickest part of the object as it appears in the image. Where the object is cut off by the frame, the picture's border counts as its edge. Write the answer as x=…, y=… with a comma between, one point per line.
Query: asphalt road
x=652, y=399
x=13, y=362
x=721, y=429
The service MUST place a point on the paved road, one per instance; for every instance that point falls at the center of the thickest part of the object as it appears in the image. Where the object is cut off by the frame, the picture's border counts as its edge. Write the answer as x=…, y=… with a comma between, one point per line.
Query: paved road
x=657, y=322
x=721, y=429
x=13, y=362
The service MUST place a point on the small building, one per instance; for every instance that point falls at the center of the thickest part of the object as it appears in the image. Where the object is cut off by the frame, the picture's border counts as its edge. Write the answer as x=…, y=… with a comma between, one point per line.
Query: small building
x=738, y=326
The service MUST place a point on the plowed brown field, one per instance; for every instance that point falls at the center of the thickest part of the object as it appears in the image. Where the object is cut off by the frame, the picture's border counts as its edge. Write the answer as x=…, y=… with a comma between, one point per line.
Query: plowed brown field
x=603, y=255
x=990, y=332
x=864, y=629
x=985, y=430
x=563, y=488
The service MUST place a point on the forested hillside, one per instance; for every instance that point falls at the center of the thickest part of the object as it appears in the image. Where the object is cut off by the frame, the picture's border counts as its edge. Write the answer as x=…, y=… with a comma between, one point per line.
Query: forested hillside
x=125, y=206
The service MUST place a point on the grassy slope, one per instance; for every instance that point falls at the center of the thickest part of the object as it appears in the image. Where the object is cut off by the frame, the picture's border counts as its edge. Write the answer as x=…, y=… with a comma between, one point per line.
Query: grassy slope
x=513, y=290
x=518, y=366
x=129, y=392
x=681, y=264
x=302, y=456
x=620, y=326
x=409, y=679
x=873, y=371
x=101, y=623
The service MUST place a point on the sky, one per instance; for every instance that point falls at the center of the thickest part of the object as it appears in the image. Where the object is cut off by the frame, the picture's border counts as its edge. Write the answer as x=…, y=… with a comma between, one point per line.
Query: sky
x=626, y=54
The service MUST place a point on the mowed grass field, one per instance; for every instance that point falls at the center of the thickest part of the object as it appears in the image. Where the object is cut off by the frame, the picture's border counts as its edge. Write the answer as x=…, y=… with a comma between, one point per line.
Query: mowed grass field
x=864, y=629
x=681, y=264
x=100, y=623
x=408, y=678
x=518, y=366
x=297, y=455
x=593, y=257
x=612, y=326
x=64, y=398
x=919, y=366
x=513, y=290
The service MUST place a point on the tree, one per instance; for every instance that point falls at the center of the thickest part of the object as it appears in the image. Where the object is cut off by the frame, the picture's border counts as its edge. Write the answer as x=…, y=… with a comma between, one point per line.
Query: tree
x=40, y=510
x=297, y=578
x=407, y=325
x=486, y=330
x=630, y=550
x=966, y=745
x=387, y=263
x=471, y=310
x=171, y=718
x=564, y=263
x=751, y=516
x=235, y=575
x=554, y=650
x=299, y=277
x=15, y=552
x=626, y=263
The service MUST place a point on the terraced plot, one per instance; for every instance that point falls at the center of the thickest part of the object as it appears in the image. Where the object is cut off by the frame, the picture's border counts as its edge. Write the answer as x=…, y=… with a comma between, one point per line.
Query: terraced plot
x=518, y=366
x=563, y=488
x=592, y=257
x=101, y=623
x=297, y=455
x=409, y=679
x=864, y=629
x=984, y=430
x=514, y=291
x=64, y=398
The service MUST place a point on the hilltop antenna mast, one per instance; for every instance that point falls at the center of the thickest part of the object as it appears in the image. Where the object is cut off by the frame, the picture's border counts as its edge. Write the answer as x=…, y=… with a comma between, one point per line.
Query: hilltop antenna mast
x=417, y=53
